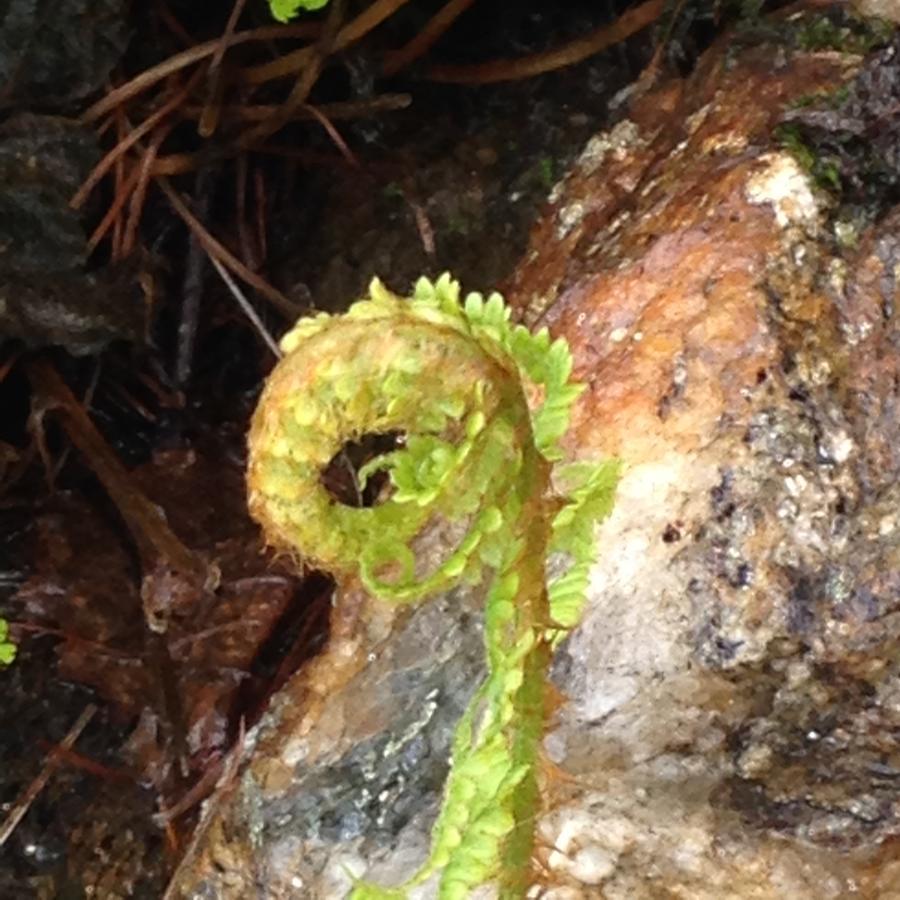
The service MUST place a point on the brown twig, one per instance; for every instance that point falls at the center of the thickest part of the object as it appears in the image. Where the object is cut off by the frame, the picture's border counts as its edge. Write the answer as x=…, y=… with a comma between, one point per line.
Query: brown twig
x=154, y=74
x=133, y=137
x=211, y=810
x=245, y=241
x=139, y=194
x=7, y=365
x=228, y=259
x=247, y=308
x=152, y=535
x=168, y=19
x=123, y=192
x=209, y=118
x=291, y=63
x=251, y=214
x=423, y=225
x=162, y=554
x=347, y=109
x=227, y=35
x=309, y=74
x=179, y=164
x=192, y=284
x=208, y=121
x=280, y=67
x=156, y=601
x=86, y=402
x=335, y=136
x=426, y=38
x=23, y=803
x=629, y=23
x=182, y=163
x=96, y=649
x=193, y=795
x=121, y=131
x=259, y=185
x=84, y=763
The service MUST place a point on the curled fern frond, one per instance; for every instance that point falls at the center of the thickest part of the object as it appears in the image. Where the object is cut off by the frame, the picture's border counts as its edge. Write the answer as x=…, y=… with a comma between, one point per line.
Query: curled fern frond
x=482, y=405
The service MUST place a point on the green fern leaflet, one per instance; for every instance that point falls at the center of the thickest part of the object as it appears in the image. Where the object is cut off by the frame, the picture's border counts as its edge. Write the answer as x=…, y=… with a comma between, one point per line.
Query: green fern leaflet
x=7, y=648
x=285, y=10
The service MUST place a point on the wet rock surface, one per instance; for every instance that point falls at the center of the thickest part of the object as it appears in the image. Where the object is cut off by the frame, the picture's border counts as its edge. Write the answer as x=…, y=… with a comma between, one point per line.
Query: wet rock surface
x=46, y=294
x=731, y=721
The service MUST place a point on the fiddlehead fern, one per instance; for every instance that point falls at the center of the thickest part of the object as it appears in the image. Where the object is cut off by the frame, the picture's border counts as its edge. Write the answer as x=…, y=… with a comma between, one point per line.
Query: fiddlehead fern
x=482, y=405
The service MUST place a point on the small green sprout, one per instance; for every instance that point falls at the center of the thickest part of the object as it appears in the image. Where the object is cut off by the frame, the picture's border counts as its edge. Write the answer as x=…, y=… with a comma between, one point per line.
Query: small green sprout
x=285, y=10
x=7, y=647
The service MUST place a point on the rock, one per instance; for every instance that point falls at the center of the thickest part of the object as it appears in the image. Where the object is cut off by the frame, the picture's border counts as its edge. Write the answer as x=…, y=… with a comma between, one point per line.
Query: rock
x=882, y=9
x=47, y=293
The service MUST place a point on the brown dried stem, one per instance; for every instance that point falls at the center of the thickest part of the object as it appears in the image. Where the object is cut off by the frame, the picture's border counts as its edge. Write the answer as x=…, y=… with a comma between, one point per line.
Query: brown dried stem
x=209, y=118
x=185, y=58
x=629, y=23
x=347, y=109
x=335, y=136
x=139, y=194
x=291, y=63
x=306, y=79
x=132, y=138
x=217, y=250
x=182, y=163
x=23, y=803
x=151, y=533
x=426, y=38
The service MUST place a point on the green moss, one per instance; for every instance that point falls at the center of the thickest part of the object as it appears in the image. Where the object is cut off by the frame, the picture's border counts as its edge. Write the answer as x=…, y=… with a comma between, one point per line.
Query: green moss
x=838, y=28
x=824, y=171
x=822, y=99
x=546, y=172
x=841, y=30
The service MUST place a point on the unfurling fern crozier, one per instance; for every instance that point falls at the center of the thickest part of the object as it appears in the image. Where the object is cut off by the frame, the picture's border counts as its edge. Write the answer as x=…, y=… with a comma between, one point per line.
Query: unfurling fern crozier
x=481, y=405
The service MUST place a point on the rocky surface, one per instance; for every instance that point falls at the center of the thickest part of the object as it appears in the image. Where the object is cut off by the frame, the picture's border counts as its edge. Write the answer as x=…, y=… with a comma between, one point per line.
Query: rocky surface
x=732, y=695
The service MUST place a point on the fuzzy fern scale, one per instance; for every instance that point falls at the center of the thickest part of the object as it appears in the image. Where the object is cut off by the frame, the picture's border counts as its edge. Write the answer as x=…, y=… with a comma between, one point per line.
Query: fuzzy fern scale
x=482, y=405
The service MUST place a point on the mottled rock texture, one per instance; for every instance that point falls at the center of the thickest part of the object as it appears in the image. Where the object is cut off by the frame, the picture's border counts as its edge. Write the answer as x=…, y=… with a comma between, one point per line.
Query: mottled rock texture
x=732, y=697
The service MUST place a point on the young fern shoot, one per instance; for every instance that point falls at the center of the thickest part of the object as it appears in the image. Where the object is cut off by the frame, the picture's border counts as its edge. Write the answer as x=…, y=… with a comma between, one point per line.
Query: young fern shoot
x=482, y=404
